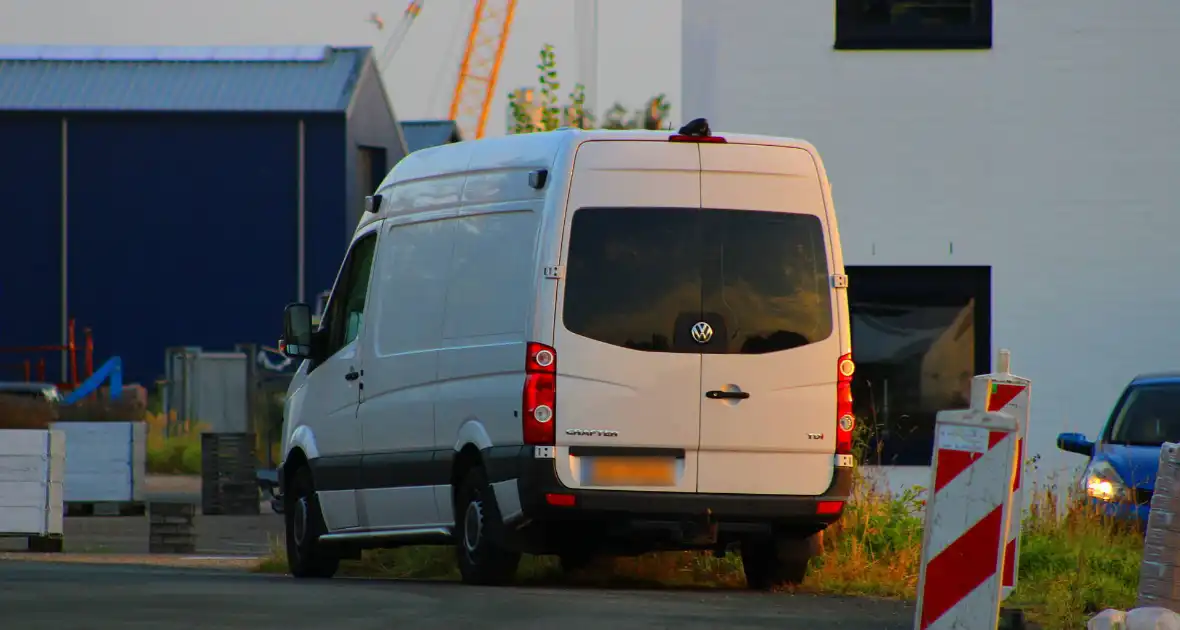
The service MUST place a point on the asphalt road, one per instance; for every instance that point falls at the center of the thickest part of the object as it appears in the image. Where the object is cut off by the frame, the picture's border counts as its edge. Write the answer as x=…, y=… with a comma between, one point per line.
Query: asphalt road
x=46, y=596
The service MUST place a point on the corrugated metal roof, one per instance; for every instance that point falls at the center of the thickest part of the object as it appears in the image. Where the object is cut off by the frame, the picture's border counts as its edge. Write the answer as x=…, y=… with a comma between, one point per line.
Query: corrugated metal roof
x=423, y=134
x=206, y=79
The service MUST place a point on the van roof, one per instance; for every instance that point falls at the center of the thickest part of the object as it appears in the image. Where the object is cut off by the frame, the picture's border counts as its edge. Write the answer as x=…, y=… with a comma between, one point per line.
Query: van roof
x=534, y=150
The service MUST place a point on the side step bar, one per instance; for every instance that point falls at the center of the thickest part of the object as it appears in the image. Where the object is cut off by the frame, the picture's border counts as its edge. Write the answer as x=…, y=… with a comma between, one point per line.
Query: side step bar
x=408, y=536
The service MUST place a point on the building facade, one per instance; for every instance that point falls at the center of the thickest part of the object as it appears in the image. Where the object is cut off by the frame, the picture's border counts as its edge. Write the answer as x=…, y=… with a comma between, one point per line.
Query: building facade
x=177, y=196
x=1002, y=174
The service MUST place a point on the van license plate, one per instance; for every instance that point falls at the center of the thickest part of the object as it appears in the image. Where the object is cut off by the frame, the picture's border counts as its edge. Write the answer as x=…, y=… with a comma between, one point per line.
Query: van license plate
x=630, y=471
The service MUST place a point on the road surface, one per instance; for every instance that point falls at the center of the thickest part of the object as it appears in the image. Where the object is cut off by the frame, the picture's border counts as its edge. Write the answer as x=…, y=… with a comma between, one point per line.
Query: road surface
x=49, y=596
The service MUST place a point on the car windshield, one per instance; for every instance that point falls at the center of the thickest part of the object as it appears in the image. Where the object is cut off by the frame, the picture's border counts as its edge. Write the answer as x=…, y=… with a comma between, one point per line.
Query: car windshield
x=1149, y=416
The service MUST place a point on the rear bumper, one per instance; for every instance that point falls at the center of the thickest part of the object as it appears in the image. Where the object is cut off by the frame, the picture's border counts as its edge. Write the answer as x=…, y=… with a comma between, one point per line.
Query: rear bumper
x=537, y=478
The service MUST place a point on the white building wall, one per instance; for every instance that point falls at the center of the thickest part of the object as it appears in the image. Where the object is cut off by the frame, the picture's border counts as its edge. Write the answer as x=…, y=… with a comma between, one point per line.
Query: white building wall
x=1051, y=157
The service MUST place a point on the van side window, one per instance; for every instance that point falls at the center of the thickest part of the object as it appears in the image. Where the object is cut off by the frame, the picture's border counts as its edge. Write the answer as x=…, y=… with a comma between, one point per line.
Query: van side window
x=345, y=313
x=413, y=262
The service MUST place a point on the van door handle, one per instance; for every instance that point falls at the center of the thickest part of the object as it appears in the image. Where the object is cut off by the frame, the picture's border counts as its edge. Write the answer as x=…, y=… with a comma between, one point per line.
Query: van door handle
x=352, y=376
x=717, y=394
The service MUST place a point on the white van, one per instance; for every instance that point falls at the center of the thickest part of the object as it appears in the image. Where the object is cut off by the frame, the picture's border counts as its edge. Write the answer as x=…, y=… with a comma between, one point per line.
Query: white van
x=580, y=343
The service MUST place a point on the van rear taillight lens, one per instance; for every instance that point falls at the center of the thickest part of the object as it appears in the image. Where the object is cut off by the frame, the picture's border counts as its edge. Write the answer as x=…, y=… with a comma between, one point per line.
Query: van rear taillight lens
x=845, y=420
x=539, y=401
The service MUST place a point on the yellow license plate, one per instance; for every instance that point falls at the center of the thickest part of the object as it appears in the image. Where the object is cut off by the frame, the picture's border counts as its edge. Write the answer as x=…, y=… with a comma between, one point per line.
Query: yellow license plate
x=630, y=471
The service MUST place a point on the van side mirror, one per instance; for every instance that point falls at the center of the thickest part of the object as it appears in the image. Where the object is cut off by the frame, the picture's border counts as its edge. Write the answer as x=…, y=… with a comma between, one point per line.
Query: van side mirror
x=297, y=333
x=1075, y=443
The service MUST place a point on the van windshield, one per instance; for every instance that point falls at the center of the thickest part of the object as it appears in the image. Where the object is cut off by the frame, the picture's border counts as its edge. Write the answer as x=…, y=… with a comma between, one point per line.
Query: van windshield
x=640, y=278
x=1148, y=416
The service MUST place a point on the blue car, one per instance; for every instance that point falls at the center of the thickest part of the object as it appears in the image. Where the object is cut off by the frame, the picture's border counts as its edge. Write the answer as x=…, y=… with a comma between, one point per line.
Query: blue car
x=1120, y=477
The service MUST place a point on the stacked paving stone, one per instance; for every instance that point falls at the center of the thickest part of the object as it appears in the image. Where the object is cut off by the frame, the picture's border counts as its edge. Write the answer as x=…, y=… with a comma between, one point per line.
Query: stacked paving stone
x=1159, y=575
x=229, y=465
x=170, y=528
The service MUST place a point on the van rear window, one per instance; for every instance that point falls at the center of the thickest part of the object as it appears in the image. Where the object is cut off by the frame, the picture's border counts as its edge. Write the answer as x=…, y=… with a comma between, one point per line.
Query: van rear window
x=641, y=278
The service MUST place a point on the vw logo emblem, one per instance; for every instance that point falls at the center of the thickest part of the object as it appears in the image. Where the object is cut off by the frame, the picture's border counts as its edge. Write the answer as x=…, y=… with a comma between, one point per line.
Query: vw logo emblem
x=702, y=332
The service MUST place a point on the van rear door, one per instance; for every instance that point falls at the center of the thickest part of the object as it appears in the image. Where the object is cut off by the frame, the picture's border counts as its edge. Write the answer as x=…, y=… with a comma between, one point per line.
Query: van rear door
x=627, y=414
x=768, y=297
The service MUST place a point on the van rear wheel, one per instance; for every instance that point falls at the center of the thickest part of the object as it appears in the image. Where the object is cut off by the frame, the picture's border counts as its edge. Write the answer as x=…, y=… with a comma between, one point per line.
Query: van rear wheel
x=479, y=534
x=777, y=561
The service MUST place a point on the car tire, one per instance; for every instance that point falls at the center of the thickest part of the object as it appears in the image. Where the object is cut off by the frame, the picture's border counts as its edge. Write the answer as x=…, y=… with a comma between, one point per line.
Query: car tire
x=479, y=534
x=779, y=561
x=307, y=557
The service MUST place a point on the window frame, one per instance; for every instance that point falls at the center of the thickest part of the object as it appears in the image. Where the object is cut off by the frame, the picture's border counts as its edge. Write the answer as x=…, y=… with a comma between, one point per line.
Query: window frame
x=851, y=34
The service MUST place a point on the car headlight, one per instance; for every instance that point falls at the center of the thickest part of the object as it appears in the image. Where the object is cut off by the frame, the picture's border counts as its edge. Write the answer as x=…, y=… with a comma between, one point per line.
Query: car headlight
x=1101, y=481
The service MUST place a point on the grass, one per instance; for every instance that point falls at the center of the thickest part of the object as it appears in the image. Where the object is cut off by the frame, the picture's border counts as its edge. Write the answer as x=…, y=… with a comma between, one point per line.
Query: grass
x=176, y=454
x=1073, y=563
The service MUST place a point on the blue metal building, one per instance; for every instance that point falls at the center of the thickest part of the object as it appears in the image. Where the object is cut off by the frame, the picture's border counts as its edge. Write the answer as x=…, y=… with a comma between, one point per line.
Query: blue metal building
x=179, y=196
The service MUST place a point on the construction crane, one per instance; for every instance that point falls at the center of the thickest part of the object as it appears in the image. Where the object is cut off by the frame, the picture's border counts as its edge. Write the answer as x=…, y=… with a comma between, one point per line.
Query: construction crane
x=399, y=33
x=480, y=68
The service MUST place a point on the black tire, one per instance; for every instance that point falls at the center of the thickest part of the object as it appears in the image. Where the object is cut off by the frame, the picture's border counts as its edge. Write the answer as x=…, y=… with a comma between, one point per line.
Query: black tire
x=780, y=561
x=306, y=556
x=479, y=534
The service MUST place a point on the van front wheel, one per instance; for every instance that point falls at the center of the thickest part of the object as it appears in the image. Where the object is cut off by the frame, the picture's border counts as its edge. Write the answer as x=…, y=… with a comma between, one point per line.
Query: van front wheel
x=479, y=540
x=307, y=557
x=779, y=561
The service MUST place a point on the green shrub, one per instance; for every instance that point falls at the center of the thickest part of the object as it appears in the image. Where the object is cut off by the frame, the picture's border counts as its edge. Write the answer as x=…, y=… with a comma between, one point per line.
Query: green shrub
x=178, y=455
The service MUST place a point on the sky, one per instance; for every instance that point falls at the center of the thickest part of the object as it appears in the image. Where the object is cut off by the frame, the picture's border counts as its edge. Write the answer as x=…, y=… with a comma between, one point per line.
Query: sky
x=638, y=49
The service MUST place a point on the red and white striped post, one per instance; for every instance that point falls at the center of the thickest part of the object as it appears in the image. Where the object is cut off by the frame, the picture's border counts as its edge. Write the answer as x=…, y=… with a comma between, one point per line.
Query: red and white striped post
x=1004, y=391
x=967, y=520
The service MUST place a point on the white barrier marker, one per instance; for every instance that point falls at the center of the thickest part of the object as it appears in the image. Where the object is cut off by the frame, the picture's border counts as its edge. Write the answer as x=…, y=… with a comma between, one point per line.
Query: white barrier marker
x=1004, y=391
x=967, y=520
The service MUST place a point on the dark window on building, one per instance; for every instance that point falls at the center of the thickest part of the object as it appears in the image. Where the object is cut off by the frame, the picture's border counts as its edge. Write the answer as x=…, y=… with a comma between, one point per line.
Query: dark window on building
x=918, y=336
x=640, y=278
x=913, y=24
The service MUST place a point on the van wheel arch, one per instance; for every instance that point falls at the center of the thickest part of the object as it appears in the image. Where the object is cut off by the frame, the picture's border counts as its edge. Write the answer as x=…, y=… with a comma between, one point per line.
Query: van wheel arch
x=295, y=460
x=467, y=458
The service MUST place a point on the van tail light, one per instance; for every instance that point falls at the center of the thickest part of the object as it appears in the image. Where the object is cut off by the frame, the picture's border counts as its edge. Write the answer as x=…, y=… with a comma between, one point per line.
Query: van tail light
x=539, y=401
x=845, y=420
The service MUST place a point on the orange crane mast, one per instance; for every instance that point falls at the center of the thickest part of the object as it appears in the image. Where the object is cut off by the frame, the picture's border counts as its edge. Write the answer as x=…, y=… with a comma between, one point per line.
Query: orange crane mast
x=480, y=68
